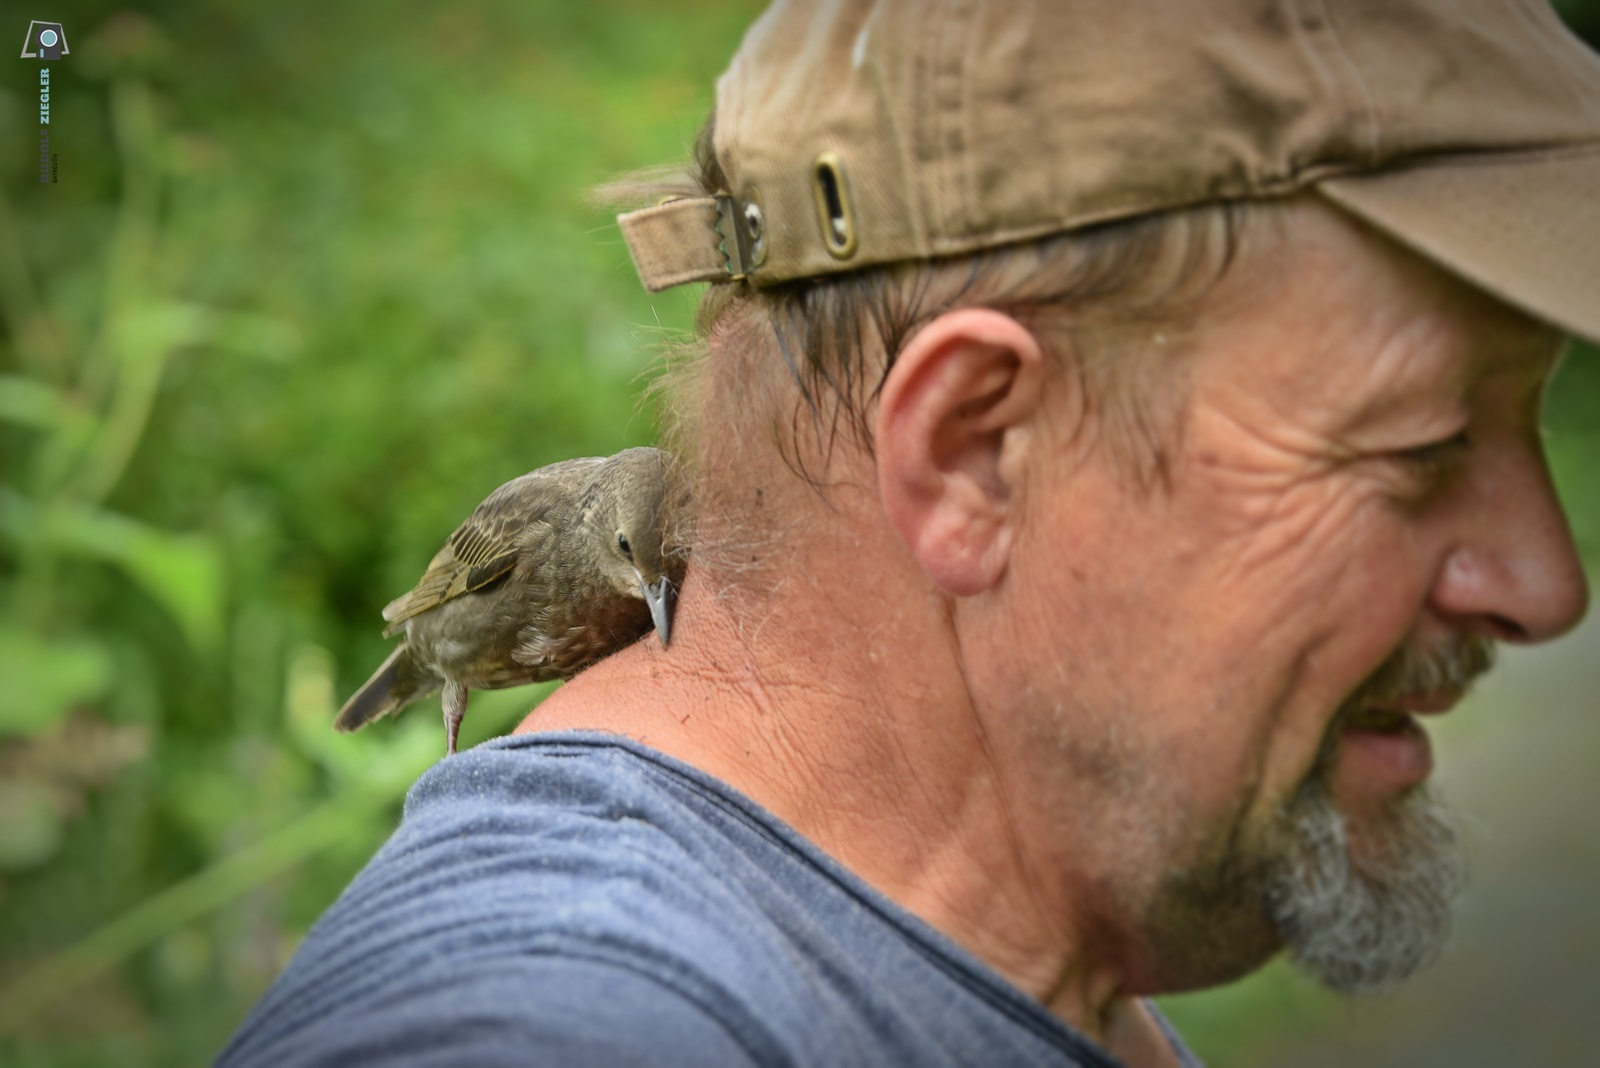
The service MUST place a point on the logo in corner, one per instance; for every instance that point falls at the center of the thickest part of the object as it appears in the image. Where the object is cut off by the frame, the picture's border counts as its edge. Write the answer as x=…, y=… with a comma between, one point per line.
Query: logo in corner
x=46, y=40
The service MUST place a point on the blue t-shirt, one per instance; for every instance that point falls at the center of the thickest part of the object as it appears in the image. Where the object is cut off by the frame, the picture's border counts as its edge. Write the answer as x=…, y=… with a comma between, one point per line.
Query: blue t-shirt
x=579, y=899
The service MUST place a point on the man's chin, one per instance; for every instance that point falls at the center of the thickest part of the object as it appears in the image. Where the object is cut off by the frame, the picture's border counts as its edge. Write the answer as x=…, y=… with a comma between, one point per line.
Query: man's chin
x=1363, y=903
x=1359, y=902
x=1361, y=866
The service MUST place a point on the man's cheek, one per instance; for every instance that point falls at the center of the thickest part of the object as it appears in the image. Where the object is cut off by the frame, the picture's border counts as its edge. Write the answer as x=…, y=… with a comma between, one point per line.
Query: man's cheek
x=1291, y=548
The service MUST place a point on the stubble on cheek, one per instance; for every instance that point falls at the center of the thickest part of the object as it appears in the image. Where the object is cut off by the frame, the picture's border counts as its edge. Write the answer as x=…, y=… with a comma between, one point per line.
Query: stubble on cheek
x=1314, y=590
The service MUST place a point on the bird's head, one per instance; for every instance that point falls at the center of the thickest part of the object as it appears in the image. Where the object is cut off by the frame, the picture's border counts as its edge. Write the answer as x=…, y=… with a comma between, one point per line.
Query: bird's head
x=636, y=489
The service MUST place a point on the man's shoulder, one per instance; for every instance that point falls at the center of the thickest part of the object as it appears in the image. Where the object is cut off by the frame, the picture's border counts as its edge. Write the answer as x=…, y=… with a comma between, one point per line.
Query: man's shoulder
x=581, y=893
x=553, y=893
x=584, y=845
x=575, y=846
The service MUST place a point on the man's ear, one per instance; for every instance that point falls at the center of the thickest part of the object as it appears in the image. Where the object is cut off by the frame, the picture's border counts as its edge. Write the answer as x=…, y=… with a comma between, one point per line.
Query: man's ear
x=954, y=422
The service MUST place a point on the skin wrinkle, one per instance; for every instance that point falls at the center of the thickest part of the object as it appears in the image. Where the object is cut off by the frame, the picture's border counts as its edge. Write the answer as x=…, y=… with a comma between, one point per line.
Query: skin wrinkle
x=1009, y=827
x=1288, y=592
x=1150, y=677
x=1101, y=759
x=1254, y=795
x=838, y=799
x=1287, y=504
x=806, y=684
x=1318, y=431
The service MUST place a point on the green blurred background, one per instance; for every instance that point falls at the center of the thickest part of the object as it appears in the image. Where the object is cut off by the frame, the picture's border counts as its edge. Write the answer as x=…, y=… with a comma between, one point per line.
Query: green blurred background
x=314, y=279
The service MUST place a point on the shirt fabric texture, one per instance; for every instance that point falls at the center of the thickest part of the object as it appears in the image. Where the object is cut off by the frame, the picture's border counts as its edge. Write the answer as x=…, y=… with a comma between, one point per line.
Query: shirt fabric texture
x=579, y=899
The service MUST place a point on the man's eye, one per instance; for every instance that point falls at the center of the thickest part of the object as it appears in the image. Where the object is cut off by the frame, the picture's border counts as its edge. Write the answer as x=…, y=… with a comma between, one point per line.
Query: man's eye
x=1439, y=456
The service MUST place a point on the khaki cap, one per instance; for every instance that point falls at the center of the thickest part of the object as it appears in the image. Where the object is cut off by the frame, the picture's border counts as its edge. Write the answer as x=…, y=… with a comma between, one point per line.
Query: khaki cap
x=860, y=132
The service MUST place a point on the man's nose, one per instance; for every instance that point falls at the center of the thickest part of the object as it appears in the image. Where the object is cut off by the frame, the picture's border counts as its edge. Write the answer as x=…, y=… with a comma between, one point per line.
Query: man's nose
x=1515, y=574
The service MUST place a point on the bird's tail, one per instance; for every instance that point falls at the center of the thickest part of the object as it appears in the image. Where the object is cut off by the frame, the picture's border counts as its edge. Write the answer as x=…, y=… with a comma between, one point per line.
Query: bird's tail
x=399, y=681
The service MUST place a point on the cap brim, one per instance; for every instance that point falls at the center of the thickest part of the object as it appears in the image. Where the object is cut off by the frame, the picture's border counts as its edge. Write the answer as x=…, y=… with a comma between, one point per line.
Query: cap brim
x=1523, y=226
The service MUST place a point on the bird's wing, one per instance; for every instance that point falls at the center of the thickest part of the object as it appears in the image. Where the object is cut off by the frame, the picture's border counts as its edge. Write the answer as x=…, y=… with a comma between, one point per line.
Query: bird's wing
x=484, y=548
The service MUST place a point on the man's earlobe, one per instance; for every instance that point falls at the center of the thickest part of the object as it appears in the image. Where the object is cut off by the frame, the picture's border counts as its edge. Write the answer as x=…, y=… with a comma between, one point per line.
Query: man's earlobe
x=954, y=423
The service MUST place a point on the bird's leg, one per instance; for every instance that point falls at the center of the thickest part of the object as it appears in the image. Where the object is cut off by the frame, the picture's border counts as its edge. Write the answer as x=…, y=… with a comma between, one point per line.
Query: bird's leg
x=454, y=700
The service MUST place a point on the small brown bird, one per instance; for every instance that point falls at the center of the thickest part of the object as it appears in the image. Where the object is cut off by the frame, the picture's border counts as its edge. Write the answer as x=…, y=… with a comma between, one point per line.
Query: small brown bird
x=554, y=571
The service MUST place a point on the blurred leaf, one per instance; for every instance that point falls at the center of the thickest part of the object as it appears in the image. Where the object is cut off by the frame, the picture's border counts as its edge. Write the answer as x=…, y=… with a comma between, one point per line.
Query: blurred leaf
x=126, y=43
x=309, y=706
x=182, y=572
x=151, y=329
x=30, y=825
x=145, y=336
x=261, y=336
x=309, y=297
x=31, y=403
x=45, y=679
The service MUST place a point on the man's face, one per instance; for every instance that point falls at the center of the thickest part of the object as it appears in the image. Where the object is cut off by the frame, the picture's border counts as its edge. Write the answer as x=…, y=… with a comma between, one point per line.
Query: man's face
x=1236, y=663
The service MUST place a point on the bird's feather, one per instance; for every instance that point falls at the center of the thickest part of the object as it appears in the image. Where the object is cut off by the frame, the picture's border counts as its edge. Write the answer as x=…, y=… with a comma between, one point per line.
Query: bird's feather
x=398, y=681
x=484, y=548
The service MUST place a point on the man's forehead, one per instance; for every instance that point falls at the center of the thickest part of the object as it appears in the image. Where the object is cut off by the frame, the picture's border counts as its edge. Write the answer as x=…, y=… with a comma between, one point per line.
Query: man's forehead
x=1339, y=317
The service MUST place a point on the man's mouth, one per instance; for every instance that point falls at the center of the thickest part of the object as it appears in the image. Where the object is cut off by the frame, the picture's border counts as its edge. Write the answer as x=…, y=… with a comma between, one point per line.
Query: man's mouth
x=1425, y=704
x=1380, y=720
x=1386, y=746
x=1393, y=714
x=1388, y=743
x=1380, y=740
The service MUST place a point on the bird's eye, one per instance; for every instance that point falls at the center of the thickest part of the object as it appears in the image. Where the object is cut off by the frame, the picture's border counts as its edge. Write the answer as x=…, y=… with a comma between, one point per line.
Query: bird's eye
x=622, y=543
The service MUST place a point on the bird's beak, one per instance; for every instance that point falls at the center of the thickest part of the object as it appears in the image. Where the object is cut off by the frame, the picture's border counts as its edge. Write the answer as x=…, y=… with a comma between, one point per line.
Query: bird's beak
x=660, y=597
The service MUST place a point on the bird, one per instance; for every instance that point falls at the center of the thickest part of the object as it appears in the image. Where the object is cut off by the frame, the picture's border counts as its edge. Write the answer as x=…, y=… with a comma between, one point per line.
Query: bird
x=554, y=571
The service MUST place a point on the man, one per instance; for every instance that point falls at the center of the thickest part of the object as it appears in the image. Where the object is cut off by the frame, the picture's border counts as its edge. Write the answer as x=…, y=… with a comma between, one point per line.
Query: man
x=1116, y=426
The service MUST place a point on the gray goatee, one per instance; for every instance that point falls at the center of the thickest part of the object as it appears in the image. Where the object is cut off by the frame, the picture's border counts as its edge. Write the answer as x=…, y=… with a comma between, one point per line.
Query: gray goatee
x=1358, y=909
x=1362, y=924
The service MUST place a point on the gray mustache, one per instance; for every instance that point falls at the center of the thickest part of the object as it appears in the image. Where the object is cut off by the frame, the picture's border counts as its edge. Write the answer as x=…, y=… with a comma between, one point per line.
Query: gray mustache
x=1448, y=666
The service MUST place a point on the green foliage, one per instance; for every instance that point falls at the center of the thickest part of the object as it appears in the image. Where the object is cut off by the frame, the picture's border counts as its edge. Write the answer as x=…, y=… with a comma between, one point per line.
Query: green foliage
x=316, y=278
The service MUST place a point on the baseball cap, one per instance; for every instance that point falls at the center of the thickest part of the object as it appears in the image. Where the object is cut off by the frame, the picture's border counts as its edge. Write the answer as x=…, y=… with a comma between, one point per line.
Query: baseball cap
x=863, y=132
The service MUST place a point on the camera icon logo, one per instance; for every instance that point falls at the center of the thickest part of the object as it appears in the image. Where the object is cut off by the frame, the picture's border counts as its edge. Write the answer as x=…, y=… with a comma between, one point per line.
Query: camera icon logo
x=45, y=40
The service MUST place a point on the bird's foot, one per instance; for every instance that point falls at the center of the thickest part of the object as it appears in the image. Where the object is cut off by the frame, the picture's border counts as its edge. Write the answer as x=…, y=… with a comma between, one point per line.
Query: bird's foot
x=455, y=707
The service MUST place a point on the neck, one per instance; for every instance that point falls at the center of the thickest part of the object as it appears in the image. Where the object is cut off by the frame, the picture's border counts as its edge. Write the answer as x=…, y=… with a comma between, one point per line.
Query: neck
x=864, y=739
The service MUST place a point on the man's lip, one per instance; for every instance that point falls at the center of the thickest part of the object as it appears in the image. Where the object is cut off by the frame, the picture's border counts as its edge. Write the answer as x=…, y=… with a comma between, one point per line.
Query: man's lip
x=1428, y=704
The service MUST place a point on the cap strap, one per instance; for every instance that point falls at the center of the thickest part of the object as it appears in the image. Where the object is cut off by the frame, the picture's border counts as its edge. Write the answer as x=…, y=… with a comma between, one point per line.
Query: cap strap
x=678, y=242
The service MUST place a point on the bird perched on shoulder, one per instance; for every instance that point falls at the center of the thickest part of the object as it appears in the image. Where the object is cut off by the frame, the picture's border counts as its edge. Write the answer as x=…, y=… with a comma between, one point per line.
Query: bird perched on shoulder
x=554, y=571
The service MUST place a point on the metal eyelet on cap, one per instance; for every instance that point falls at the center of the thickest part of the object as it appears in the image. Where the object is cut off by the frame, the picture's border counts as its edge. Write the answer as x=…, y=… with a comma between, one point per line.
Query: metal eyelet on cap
x=833, y=206
x=755, y=232
x=752, y=228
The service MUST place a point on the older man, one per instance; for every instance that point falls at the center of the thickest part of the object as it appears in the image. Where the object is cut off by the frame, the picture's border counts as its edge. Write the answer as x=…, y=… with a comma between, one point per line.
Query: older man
x=1116, y=425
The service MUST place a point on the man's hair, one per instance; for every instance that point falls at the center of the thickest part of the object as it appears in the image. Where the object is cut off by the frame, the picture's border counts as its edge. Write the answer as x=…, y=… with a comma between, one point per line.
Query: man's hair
x=798, y=365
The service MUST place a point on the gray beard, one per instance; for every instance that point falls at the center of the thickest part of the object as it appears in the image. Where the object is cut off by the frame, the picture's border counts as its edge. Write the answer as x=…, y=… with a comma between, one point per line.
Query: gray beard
x=1364, y=925
x=1362, y=917
x=1358, y=916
